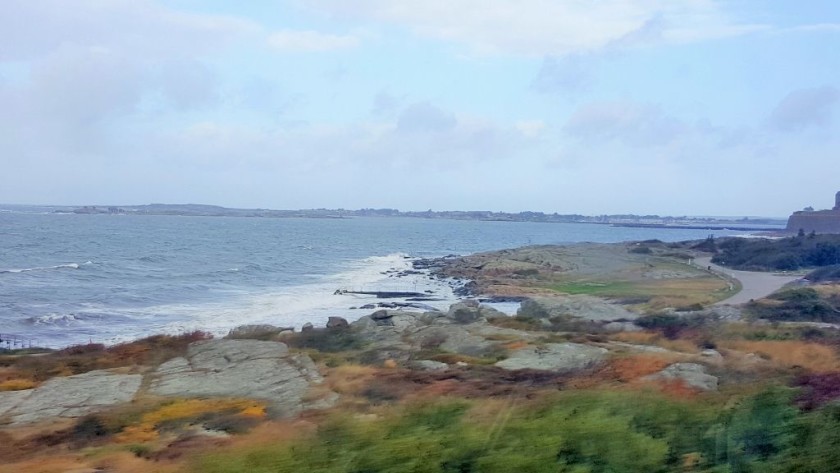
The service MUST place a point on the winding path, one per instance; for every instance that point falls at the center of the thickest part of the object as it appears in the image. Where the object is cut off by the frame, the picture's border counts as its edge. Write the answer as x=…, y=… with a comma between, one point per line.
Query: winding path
x=754, y=284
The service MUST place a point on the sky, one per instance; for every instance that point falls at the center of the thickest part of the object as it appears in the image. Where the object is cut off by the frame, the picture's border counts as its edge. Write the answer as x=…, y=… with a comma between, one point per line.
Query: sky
x=689, y=107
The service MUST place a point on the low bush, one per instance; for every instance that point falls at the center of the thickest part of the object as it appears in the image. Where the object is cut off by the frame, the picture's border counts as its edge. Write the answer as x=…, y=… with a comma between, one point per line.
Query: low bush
x=798, y=305
x=83, y=358
x=784, y=254
x=825, y=274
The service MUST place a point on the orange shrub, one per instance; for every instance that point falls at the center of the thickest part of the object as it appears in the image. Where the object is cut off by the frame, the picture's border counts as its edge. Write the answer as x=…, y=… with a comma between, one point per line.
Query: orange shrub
x=791, y=353
x=17, y=384
x=626, y=369
x=184, y=410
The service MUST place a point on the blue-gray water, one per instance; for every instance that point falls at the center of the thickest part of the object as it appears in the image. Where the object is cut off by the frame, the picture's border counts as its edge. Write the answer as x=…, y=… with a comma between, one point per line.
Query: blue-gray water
x=76, y=278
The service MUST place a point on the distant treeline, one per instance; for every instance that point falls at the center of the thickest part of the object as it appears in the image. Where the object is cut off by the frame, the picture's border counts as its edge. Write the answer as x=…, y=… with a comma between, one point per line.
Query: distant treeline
x=785, y=254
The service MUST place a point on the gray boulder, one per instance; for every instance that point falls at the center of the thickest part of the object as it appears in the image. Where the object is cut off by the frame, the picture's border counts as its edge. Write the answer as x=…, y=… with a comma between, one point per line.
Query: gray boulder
x=464, y=312
x=428, y=365
x=692, y=374
x=337, y=322
x=307, y=327
x=257, y=330
x=71, y=396
x=559, y=357
x=614, y=327
x=240, y=368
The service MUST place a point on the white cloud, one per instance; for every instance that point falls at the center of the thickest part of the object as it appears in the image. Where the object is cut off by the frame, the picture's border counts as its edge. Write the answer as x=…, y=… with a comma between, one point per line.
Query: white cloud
x=548, y=27
x=530, y=128
x=311, y=41
x=32, y=28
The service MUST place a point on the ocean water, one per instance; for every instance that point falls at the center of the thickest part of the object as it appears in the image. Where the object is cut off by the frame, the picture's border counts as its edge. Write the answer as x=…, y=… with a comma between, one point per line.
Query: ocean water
x=68, y=279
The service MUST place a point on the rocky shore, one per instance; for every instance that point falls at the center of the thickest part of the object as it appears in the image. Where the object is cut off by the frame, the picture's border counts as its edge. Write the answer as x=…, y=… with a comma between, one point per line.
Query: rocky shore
x=624, y=322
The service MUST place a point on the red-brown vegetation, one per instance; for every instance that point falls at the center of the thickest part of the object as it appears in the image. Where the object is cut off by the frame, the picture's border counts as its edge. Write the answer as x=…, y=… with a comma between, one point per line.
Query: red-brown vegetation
x=817, y=389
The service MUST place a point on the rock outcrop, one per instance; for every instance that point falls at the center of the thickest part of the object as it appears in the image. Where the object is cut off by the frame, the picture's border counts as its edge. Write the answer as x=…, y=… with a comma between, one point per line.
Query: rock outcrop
x=71, y=396
x=240, y=368
x=578, y=306
x=558, y=357
x=692, y=374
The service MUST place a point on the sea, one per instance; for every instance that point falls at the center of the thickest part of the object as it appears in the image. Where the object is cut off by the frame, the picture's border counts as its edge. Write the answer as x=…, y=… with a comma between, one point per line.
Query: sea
x=69, y=279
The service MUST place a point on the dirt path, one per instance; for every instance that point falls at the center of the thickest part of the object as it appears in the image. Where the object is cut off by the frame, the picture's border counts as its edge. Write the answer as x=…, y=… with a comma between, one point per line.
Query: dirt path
x=754, y=285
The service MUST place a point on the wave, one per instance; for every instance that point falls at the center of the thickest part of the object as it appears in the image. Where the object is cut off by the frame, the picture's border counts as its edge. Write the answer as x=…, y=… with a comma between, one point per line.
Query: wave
x=293, y=305
x=46, y=268
x=54, y=319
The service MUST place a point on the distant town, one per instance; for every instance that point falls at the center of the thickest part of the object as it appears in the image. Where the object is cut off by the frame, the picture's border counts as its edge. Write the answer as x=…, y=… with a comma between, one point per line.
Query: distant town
x=742, y=223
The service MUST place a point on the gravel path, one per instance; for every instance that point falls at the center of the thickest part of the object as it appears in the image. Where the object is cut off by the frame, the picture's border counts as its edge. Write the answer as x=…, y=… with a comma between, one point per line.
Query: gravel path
x=755, y=285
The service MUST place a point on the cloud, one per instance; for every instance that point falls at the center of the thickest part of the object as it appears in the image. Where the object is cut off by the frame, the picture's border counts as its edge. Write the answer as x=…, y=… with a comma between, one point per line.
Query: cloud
x=310, y=41
x=385, y=103
x=425, y=117
x=189, y=84
x=570, y=73
x=805, y=108
x=547, y=27
x=530, y=128
x=630, y=123
x=32, y=28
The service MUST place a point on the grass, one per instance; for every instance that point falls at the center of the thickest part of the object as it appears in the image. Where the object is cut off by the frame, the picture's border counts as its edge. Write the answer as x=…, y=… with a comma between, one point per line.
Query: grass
x=651, y=294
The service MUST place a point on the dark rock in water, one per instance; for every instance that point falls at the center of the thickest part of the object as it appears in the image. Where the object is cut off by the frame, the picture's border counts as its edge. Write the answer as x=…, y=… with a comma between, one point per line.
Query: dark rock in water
x=307, y=327
x=337, y=322
x=368, y=306
x=501, y=299
x=467, y=290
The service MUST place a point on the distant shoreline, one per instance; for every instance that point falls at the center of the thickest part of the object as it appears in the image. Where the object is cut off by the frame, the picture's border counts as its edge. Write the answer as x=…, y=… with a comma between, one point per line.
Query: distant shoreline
x=620, y=220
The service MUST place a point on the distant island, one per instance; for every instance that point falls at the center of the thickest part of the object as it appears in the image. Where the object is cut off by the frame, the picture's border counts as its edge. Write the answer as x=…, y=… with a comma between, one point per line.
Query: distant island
x=628, y=220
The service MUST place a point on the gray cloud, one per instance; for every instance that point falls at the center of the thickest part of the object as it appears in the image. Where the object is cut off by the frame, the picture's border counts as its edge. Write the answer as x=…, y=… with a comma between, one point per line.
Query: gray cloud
x=425, y=117
x=805, y=108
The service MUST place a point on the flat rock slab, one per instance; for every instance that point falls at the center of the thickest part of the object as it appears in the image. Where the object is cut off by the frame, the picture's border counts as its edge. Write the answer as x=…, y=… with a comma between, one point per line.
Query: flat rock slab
x=578, y=305
x=559, y=357
x=72, y=396
x=240, y=368
x=692, y=374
